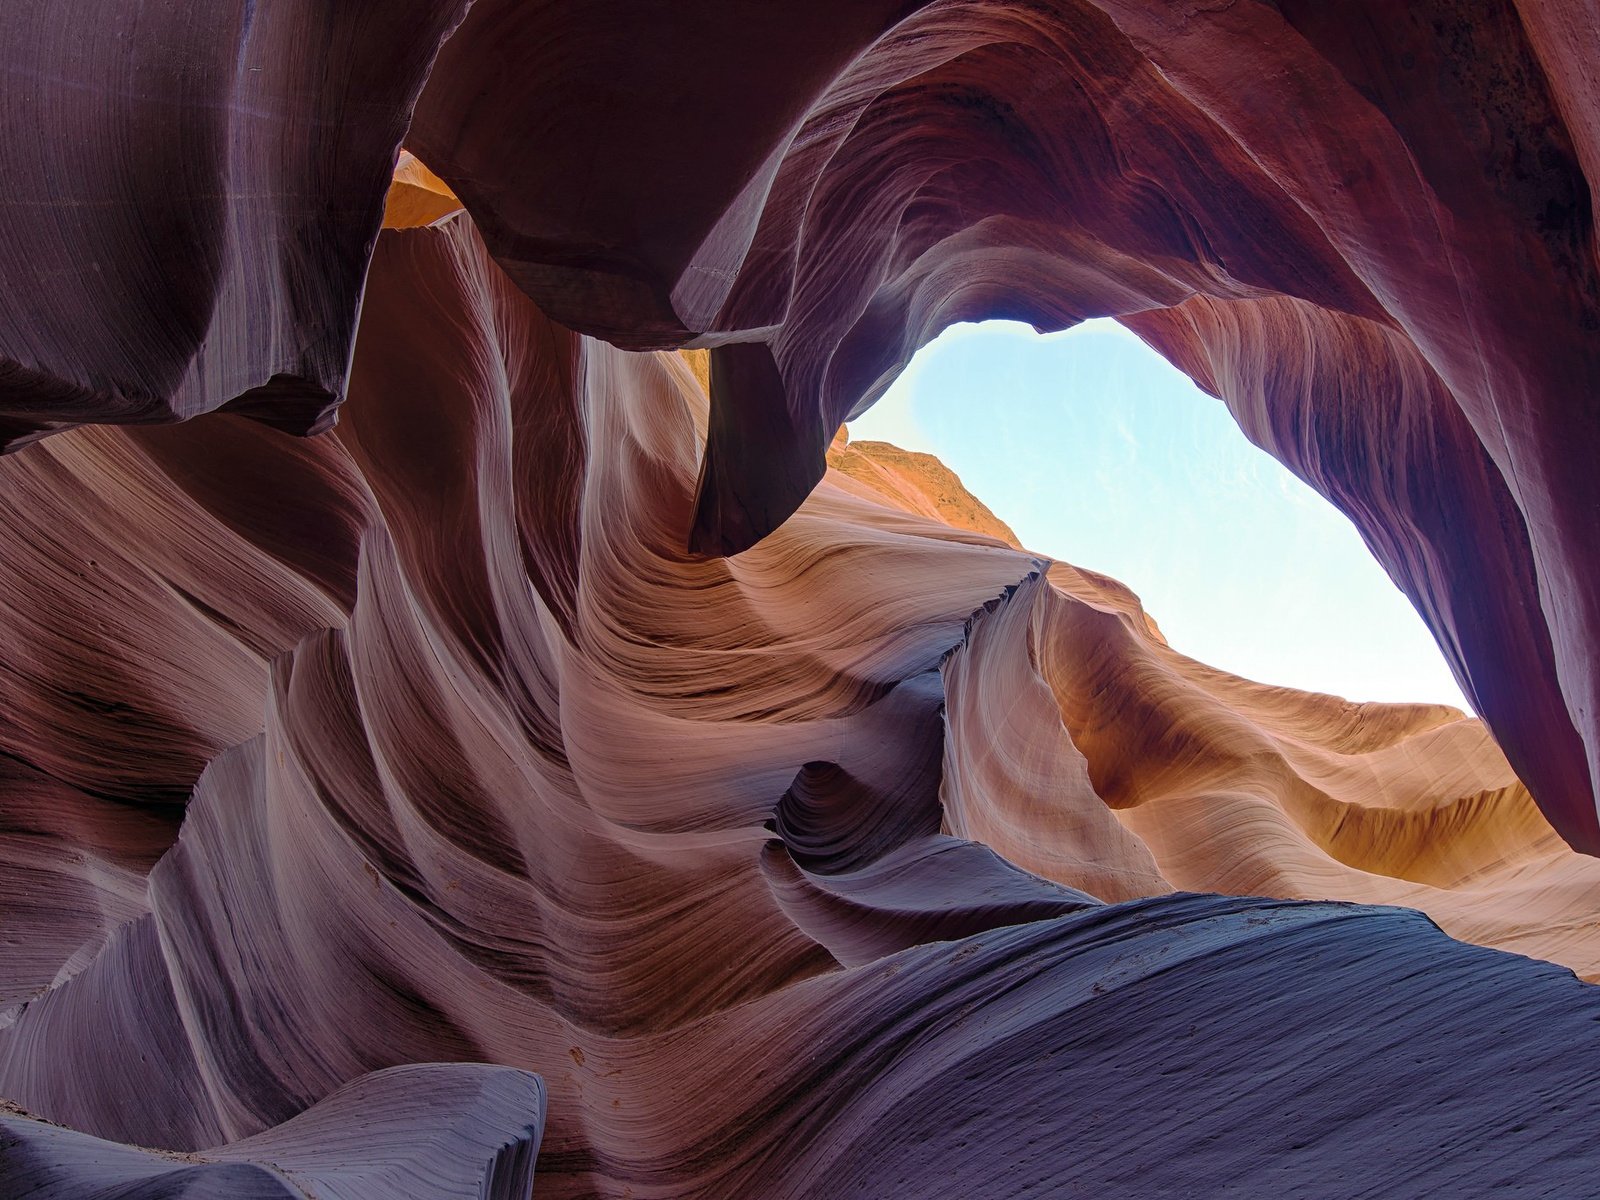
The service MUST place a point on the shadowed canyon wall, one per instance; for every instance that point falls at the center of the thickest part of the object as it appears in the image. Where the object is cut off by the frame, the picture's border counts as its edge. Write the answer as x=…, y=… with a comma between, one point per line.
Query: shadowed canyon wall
x=420, y=809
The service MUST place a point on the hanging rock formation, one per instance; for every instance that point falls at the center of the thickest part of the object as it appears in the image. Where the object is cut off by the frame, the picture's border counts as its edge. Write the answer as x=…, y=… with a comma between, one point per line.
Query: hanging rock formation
x=191, y=201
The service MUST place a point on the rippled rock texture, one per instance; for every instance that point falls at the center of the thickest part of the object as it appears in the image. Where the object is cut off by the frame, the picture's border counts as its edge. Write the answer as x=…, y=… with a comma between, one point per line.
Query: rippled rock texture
x=1367, y=226
x=447, y=1129
x=788, y=874
x=383, y=810
x=1372, y=220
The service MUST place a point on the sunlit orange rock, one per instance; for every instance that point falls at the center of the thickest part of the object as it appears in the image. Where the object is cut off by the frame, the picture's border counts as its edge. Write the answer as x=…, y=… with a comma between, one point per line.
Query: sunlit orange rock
x=1087, y=750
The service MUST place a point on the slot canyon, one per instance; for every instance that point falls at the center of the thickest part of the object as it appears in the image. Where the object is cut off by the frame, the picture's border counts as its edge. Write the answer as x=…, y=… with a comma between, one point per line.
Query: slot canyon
x=473, y=724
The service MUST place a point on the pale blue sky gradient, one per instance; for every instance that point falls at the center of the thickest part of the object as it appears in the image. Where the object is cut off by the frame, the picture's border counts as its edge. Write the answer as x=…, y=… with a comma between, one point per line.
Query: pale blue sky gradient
x=1098, y=452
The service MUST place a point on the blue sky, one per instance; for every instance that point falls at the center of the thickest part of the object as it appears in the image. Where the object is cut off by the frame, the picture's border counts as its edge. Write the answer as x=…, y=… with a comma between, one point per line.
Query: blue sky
x=1098, y=452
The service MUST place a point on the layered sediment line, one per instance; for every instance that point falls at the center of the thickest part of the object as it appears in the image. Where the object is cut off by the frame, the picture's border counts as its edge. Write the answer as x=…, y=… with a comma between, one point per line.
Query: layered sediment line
x=1369, y=226
x=444, y=1129
x=191, y=200
x=446, y=750
x=1413, y=184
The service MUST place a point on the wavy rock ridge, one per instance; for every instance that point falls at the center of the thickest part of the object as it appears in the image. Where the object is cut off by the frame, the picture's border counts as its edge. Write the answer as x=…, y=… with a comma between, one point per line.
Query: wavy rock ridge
x=1359, y=191
x=487, y=768
x=1368, y=227
x=1104, y=731
x=383, y=809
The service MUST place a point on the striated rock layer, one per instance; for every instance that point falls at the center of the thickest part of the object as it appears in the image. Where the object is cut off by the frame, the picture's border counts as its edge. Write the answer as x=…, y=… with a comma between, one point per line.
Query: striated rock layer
x=1073, y=725
x=443, y=1130
x=842, y=867
x=1368, y=226
x=191, y=199
x=1390, y=205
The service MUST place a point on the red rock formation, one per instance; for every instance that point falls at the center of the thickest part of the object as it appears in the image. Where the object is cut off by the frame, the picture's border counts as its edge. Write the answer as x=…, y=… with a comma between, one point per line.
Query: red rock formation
x=536, y=787
x=816, y=192
x=1085, y=749
x=429, y=741
x=880, y=171
x=1363, y=419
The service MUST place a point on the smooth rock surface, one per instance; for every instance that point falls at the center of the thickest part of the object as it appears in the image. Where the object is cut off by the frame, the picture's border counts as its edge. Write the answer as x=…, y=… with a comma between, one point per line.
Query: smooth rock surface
x=1393, y=204
x=443, y=1129
x=428, y=741
x=1412, y=184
